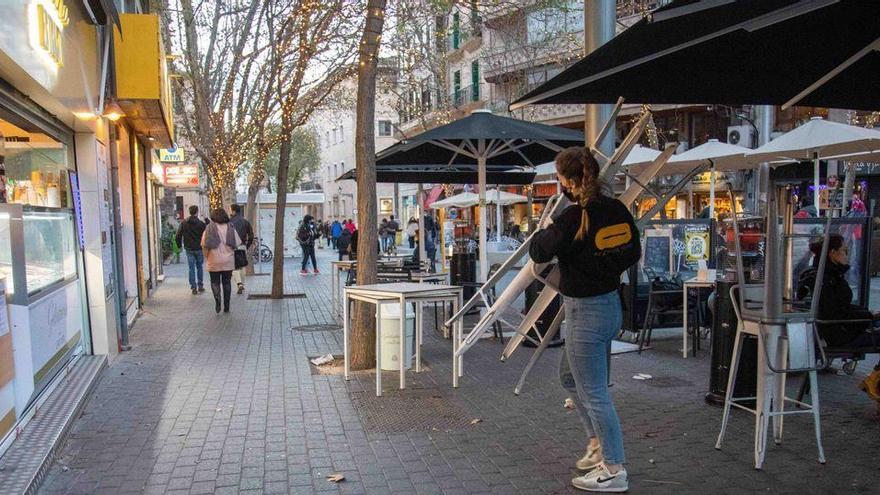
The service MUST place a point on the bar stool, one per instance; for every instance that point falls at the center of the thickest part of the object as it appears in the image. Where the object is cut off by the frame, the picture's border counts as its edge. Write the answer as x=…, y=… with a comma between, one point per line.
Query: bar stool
x=779, y=353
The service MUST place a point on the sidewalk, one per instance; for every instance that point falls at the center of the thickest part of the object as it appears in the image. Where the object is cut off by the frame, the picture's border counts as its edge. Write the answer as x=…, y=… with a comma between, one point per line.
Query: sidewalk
x=208, y=403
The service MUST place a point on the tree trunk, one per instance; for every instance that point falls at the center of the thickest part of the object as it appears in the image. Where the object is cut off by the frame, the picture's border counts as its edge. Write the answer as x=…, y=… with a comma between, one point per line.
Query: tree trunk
x=280, y=207
x=250, y=212
x=363, y=337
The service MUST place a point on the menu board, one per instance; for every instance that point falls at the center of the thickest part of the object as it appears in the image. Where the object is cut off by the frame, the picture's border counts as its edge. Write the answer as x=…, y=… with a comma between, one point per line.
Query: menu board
x=658, y=251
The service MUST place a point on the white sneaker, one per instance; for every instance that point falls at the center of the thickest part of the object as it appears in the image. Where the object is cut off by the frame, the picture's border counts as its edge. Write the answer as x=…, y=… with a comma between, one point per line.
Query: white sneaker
x=600, y=480
x=591, y=459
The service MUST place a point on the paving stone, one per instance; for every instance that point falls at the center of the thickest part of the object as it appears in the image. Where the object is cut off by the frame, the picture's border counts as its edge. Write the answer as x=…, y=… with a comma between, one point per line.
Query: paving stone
x=208, y=403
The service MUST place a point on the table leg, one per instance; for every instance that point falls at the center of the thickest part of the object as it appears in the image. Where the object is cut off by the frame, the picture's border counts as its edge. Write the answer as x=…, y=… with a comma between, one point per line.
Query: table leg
x=418, y=337
x=684, y=320
x=402, y=356
x=334, y=292
x=345, y=337
x=459, y=304
x=455, y=343
x=378, y=349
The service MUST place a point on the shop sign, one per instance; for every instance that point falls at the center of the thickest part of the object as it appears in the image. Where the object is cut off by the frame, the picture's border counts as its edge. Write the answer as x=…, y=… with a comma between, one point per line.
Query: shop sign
x=181, y=175
x=696, y=244
x=705, y=178
x=172, y=155
x=48, y=18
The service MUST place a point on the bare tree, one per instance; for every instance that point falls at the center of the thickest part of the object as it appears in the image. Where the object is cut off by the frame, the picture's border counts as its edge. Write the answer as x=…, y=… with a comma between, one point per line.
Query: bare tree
x=363, y=353
x=314, y=46
x=222, y=98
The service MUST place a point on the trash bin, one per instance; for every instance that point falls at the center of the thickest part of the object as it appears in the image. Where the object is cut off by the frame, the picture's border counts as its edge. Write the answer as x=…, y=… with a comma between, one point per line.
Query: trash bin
x=463, y=269
x=723, y=337
x=391, y=337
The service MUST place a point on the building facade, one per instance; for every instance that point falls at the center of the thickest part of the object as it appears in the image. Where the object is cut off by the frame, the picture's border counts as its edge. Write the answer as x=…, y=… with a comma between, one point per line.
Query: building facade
x=82, y=110
x=335, y=129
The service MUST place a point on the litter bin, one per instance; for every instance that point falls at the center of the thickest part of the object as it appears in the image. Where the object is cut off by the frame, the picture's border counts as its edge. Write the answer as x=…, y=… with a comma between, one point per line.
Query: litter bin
x=391, y=337
x=723, y=337
x=463, y=269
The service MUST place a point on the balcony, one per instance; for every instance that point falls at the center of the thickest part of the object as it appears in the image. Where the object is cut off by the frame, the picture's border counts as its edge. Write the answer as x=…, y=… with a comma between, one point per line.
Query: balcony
x=563, y=49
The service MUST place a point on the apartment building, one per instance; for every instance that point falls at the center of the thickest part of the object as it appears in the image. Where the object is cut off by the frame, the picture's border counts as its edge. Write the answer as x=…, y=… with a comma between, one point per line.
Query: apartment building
x=335, y=128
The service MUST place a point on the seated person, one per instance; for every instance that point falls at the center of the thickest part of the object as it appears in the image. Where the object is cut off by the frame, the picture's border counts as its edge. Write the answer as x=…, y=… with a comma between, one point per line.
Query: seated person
x=835, y=301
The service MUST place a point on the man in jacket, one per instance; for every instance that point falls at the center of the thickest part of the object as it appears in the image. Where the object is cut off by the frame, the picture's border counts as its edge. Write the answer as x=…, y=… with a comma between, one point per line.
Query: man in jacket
x=189, y=235
x=392, y=229
x=305, y=235
x=335, y=232
x=246, y=233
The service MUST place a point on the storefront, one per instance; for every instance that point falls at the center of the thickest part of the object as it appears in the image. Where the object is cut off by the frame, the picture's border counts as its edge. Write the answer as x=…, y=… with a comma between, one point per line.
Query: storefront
x=45, y=319
x=63, y=152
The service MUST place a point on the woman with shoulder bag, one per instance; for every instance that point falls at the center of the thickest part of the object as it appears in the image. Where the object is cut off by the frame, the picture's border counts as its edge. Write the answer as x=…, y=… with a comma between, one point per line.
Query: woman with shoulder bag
x=219, y=242
x=595, y=240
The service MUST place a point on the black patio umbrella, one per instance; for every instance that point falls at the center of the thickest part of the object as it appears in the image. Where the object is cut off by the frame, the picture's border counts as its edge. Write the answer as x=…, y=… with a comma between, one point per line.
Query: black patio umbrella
x=774, y=52
x=483, y=142
x=455, y=174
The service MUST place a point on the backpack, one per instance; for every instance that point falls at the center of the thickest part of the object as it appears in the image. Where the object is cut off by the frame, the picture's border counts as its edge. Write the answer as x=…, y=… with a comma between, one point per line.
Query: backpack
x=304, y=234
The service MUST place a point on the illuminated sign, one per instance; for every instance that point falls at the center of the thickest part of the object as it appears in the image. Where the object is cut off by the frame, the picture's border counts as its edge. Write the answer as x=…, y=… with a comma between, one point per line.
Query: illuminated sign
x=182, y=175
x=48, y=18
x=173, y=155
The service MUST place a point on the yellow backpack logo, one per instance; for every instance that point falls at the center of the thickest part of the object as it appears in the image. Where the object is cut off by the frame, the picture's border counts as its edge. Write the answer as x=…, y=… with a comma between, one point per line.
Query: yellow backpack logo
x=613, y=236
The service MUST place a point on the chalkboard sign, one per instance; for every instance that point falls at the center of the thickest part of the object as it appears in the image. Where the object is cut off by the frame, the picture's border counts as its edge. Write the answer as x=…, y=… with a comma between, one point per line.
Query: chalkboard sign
x=658, y=251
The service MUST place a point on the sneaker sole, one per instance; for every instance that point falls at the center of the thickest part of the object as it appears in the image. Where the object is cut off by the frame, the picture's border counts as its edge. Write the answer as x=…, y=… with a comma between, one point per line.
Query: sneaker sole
x=602, y=490
x=588, y=468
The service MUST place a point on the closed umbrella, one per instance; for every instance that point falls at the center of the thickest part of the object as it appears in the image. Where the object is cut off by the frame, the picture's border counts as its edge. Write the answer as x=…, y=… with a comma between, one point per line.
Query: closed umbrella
x=815, y=140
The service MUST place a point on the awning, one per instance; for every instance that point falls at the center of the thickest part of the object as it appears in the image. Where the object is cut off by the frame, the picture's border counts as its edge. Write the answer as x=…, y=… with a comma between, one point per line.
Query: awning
x=103, y=12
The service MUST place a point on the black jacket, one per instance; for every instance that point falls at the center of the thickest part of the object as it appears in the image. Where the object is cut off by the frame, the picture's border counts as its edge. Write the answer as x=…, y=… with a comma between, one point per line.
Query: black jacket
x=835, y=303
x=244, y=229
x=189, y=235
x=343, y=241
x=592, y=266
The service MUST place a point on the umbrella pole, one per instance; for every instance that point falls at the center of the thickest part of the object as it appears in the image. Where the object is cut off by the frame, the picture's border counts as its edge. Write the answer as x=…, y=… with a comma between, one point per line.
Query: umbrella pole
x=816, y=180
x=712, y=190
x=421, y=209
x=481, y=179
x=498, y=215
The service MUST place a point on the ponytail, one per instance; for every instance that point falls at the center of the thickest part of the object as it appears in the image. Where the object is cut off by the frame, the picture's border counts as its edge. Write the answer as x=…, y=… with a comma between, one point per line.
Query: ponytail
x=578, y=165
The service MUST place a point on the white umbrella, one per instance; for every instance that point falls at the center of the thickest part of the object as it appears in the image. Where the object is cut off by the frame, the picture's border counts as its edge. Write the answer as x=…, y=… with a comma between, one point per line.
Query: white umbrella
x=640, y=155
x=818, y=139
x=504, y=198
x=499, y=199
x=461, y=200
x=722, y=156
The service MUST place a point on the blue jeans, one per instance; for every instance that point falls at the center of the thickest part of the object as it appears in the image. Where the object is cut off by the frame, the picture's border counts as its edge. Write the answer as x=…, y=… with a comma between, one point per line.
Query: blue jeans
x=196, y=262
x=591, y=323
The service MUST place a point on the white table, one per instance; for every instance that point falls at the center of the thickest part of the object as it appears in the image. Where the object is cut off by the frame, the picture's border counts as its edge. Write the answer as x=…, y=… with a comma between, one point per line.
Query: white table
x=337, y=268
x=404, y=293
x=693, y=283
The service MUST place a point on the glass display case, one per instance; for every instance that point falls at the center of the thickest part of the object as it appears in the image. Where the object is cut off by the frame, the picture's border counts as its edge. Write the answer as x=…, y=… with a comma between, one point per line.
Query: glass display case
x=37, y=249
x=35, y=168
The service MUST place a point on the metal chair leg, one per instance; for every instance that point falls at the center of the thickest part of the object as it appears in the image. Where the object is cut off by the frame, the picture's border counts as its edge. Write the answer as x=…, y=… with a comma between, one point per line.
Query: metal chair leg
x=731, y=381
x=817, y=426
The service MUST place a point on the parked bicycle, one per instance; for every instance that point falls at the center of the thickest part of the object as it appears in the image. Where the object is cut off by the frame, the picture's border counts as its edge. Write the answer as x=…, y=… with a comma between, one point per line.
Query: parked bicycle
x=261, y=253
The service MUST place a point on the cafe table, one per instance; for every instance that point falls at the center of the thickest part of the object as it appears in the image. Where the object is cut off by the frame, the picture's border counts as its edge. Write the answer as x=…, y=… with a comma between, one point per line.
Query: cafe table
x=402, y=293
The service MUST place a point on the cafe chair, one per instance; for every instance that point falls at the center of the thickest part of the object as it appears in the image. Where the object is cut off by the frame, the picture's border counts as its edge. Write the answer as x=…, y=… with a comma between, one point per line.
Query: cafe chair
x=662, y=303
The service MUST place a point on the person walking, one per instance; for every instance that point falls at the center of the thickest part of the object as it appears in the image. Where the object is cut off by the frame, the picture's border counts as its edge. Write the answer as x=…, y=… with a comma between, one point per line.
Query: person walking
x=595, y=241
x=383, y=234
x=246, y=233
x=220, y=241
x=189, y=235
x=351, y=226
x=343, y=243
x=412, y=227
x=319, y=233
x=393, y=228
x=335, y=232
x=306, y=237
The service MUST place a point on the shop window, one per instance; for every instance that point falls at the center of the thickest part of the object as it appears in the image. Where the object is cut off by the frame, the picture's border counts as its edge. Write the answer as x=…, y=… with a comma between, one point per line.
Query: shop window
x=35, y=168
